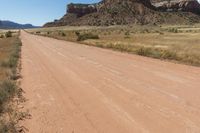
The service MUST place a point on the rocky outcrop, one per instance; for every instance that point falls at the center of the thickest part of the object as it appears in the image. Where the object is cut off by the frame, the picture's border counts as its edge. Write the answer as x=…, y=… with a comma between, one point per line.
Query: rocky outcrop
x=121, y=12
x=182, y=5
x=106, y=12
x=81, y=9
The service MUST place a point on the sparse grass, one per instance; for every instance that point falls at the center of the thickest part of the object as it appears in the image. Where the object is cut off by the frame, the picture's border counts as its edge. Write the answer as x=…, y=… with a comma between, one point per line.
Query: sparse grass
x=7, y=91
x=86, y=36
x=9, y=56
x=174, y=30
x=177, y=43
x=7, y=127
x=143, y=51
x=157, y=53
x=12, y=61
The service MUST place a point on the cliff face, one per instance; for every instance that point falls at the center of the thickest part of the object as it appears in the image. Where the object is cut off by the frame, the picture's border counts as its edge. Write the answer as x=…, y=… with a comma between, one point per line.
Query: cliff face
x=120, y=12
x=183, y=5
x=81, y=9
x=84, y=9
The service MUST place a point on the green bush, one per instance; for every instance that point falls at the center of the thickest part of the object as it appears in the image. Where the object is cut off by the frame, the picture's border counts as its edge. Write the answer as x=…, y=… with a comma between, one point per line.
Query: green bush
x=8, y=34
x=85, y=36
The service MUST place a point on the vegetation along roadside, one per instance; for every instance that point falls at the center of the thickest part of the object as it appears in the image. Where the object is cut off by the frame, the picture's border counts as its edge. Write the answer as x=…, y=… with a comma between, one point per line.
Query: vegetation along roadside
x=179, y=44
x=10, y=92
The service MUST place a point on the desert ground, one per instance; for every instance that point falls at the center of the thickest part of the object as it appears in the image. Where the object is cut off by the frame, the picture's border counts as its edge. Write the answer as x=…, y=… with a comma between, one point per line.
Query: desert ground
x=110, y=66
x=75, y=88
x=177, y=43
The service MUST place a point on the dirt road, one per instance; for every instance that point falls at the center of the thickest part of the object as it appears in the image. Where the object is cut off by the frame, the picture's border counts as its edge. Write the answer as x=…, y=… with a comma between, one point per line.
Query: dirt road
x=73, y=88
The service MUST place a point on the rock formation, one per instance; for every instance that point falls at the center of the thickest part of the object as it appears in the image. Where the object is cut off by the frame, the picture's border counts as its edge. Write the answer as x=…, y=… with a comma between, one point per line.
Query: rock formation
x=121, y=12
x=182, y=5
x=81, y=9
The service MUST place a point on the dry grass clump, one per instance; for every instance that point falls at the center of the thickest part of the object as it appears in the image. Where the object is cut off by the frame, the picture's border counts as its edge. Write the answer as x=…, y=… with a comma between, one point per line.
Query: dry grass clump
x=85, y=36
x=8, y=34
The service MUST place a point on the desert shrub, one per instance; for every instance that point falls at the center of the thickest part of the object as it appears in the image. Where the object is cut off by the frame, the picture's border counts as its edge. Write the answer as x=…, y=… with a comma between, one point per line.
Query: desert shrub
x=157, y=53
x=1, y=36
x=85, y=36
x=9, y=87
x=174, y=30
x=63, y=34
x=121, y=47
x=161, y=33
x=127, y=33
x=7, y=91
x=190, y=59
x=13, y=59
x=110, y=45
x=8, y=34
x=149, y=52
x=146, y=31
x=143, y=51
x=167, y=54
x=60, y=33
x=12, y=62
x=14, y=75
x=37, y=32
x=127, y=37
x=7, y=127
x=77, y=33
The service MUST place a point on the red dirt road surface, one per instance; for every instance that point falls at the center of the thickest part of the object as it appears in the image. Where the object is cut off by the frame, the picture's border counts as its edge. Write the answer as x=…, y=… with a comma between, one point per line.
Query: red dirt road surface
x=73, y=88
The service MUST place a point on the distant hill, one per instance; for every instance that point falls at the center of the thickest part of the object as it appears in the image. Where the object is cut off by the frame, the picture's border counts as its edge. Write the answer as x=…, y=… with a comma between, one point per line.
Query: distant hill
x=13, y=25
x=122, y=12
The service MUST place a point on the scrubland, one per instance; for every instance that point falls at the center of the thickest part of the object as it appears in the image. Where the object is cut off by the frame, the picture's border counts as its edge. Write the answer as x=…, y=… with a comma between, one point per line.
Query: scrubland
x=177, y=43
x=10, y=93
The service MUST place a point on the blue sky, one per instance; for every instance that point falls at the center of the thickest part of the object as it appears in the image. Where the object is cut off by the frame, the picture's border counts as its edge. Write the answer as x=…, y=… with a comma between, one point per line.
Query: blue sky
x=36, y=12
